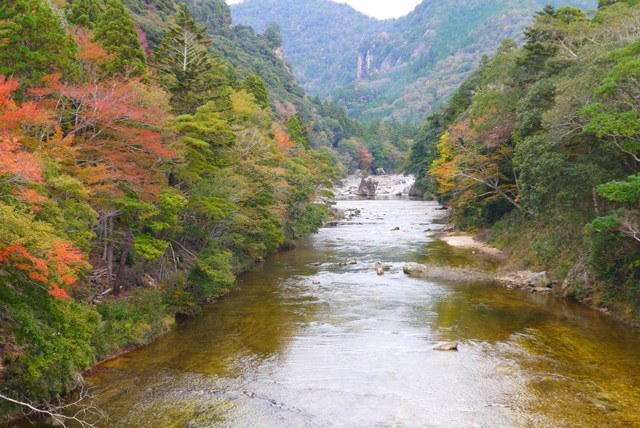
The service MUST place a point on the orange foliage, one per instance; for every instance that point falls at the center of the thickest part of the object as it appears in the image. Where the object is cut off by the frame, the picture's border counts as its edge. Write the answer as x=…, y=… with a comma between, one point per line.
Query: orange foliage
x=116, y=126
x=58, y=265
x=283, y=140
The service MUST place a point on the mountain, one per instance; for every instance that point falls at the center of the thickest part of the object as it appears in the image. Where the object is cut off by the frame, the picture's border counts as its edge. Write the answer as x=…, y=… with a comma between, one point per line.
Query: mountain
x=320, y=37
x=401, y=68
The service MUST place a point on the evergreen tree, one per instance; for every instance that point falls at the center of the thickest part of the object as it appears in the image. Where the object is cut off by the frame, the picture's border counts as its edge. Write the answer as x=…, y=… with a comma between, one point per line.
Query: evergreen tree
x=273, y=35
x=254, y=85
x=33, y=42
x=298, y=130
x=116, y=31
x=187, y=71
x=84, y=13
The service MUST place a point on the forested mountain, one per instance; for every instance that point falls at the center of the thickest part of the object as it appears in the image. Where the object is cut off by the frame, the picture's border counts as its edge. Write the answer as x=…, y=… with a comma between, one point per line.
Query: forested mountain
x=408, y=65
x=320, y=37
x=541, y=146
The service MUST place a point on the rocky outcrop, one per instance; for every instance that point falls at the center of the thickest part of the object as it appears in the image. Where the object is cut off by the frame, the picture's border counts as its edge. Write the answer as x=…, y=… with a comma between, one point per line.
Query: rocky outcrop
x=381, y=171
x=368, y=187
x=365, y=64
x=414, y=191
x=534, y=281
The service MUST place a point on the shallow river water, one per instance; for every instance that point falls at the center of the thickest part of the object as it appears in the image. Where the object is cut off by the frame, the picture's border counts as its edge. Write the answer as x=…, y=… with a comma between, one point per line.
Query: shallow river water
x=304, y=342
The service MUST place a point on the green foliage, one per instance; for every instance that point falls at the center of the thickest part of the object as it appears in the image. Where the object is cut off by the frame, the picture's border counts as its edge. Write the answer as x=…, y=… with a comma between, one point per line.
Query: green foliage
x=139, y=320
x=187, y=71
x=57, y=338
x=254, y=85
x=84, y=13
x=627, y=191
x=116, y=31
x=298, y=130
x=33, y=42
x=211, y=276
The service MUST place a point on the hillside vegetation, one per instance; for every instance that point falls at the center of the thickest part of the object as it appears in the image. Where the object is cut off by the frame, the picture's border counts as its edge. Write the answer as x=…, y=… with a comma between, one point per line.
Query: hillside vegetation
x=541, y=146
x=139, y=173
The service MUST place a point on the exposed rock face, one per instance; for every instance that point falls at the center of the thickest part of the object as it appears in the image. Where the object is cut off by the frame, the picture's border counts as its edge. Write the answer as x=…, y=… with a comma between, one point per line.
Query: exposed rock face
x=365, y=64
x=368, y=187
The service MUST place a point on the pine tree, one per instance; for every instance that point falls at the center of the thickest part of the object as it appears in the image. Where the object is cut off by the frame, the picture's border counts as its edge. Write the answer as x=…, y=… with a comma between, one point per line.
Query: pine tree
x=298, y=130
x=116, y=31
x=254, y=85
x=33, y=42
x=84, y=13
x=187, y=71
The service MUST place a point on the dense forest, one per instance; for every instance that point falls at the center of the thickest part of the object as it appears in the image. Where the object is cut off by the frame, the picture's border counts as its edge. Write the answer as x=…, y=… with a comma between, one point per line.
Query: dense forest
x=539, y=148
x=399, y=68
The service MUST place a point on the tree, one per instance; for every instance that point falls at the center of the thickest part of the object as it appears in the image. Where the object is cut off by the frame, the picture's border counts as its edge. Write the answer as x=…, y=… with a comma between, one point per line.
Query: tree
x=33, y=43
x=116, y=31
x=256, y=86
x=186, y=69
x=84, y=13
x=273, y=36
x=298, y=130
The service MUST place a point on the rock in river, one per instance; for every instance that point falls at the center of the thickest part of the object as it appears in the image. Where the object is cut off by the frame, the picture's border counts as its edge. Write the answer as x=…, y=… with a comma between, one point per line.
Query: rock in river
x=449, y=346
x=368, y=187
x=415, y=269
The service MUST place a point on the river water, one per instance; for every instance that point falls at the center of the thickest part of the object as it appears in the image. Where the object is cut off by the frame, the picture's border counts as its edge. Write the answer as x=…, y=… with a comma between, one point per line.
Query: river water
x=304, y=342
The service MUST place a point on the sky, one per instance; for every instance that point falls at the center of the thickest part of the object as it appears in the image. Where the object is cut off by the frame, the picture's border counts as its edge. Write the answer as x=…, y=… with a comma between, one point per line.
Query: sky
x=377, y=8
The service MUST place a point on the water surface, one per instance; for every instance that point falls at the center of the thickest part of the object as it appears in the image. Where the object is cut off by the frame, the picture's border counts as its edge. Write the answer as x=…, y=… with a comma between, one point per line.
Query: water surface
x=304, y=342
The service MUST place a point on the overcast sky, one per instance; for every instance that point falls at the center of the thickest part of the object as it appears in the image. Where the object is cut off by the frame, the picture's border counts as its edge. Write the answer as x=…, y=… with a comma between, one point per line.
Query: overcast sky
x=377, y=8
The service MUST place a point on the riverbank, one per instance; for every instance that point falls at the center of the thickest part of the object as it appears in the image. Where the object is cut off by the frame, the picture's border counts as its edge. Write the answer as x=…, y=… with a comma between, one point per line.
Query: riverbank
x=505, y=274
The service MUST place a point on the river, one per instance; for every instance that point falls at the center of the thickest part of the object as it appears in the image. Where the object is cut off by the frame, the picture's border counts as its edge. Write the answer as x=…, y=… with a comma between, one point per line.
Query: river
x=304, y=342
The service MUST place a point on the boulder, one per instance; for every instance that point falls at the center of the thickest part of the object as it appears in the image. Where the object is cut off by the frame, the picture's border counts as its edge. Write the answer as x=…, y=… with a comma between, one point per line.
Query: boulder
x=539, y=280
x=449, y=346
x=415, y=192
x=381, y=171
x=347, y=262
x=415, y=269
x=380, y=271
x=368, y=187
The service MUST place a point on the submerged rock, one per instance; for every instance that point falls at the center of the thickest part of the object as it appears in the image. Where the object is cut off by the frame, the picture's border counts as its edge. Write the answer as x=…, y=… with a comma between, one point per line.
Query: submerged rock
x=347, y=262
x=449, y=346
x=380, y=271
x=383, y=266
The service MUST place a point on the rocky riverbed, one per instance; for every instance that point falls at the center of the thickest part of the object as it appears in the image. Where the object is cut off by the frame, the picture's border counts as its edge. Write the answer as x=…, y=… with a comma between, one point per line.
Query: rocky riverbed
x=376, y=186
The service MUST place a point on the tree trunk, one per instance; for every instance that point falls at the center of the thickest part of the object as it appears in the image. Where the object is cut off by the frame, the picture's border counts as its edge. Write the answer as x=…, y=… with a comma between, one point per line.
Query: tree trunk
x=596, y=204
x=109, y=249
x=126, y=246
